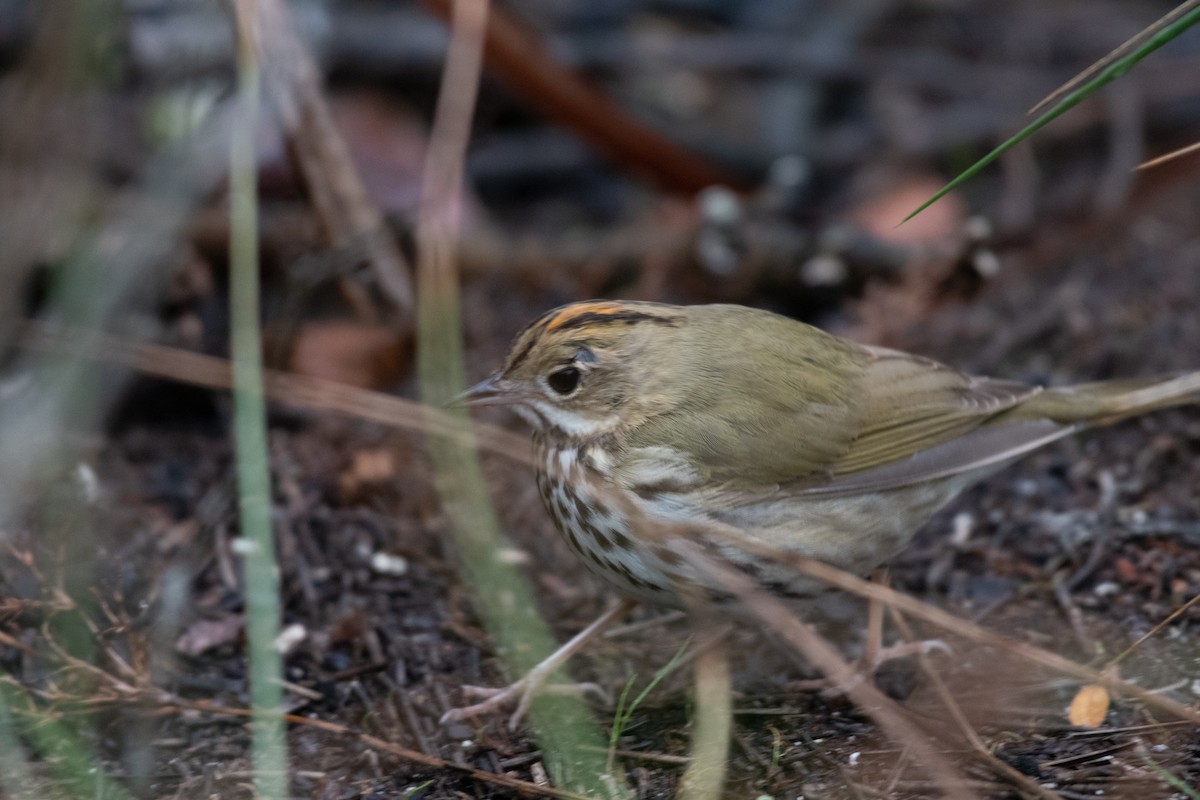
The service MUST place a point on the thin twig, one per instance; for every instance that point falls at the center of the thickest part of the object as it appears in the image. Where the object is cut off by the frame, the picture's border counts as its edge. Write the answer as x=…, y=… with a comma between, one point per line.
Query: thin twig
x=516, y=55
x=774, y=614
x=964, y=726
x=381, y=745
x=297, y=391
x=1174, y=615
x=1121, y=51
x=1174, y=154
x=349, y=215
x=846, y=581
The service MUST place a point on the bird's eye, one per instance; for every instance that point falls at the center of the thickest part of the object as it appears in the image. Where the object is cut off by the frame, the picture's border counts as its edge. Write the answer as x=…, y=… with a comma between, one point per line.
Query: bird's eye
x=564, y=381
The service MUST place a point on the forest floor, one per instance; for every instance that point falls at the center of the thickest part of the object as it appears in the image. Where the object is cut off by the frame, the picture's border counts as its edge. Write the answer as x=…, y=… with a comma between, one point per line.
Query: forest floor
x=1080, y=548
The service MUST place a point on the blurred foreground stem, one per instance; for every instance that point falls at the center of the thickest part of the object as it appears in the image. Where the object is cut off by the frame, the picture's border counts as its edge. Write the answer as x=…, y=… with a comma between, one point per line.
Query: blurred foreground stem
x=261, y=574
x=502, y=597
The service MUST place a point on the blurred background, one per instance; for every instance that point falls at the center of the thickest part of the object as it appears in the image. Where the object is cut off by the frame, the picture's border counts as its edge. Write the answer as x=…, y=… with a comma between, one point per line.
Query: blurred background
x=761, y=152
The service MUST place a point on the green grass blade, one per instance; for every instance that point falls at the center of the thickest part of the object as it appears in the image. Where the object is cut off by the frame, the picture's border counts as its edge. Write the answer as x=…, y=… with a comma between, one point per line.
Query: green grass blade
x=1175, y=782
x=625, y=709
x=1104, y=76
x=250, y=433
x=16, y=778
x=65, y=759
x=571, y=744
x=563, y=725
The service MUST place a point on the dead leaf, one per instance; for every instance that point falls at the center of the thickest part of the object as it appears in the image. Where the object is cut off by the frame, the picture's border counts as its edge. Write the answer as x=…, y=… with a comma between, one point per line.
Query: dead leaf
x=349, y=627
x=367, y=468
x=1126, y=570
x=205, y=634
x=1089, y=707
x=367, y=356
x=387, y=141
x=880, y=214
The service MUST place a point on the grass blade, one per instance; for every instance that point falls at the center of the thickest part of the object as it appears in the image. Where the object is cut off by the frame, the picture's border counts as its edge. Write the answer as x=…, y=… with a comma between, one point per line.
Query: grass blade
x=569, y=739
x=1105, y=74
x=261, y=573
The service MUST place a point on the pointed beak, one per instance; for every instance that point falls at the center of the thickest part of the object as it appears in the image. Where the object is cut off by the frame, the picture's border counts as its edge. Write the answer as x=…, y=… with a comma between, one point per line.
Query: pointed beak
x=491, y=391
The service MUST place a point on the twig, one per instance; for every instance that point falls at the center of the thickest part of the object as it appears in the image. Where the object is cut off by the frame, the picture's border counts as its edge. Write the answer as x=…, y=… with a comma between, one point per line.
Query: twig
x=1074, y=616
x=519, y=59
x=840, y=579
x=774, y=614
x=298, y=391
x=1174, y=154
x=374, y=742
x=1121, y=51
x=1153, y=631
x=349, y=216
x=960, y=719
x=659, y=758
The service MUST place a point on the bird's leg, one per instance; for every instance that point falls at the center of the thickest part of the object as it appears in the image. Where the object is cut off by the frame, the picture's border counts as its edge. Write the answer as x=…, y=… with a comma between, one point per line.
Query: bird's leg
x=524, y=690
x=874, y=653
x=873, y=645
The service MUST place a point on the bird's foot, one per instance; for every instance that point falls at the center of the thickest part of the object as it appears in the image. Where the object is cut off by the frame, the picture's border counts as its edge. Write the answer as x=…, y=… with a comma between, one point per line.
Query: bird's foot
x=871, y=662
x=867, y=665
x=522, y=692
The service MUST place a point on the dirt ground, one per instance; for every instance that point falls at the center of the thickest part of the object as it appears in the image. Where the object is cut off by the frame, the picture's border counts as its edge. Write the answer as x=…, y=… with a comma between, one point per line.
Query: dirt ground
x=125, y=558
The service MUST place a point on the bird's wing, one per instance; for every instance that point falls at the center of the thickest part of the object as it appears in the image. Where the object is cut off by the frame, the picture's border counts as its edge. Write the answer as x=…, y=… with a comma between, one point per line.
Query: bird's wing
x=878, y=409
x=912, y=404
x=985, y=447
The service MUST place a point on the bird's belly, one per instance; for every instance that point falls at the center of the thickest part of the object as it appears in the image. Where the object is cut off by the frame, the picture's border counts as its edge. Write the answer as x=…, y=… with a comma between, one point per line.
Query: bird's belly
x=856, y=533
x=620, y=535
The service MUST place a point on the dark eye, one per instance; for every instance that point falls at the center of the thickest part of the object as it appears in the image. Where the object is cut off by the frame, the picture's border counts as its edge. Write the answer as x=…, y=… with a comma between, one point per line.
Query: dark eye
x=564, y=381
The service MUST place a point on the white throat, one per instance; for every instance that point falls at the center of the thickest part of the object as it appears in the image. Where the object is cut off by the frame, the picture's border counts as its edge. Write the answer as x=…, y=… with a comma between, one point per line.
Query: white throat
x=542, y=415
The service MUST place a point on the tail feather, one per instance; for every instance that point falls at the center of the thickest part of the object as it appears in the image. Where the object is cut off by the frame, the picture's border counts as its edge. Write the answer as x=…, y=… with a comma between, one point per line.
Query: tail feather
x=1111, y=401
x=1165, y=394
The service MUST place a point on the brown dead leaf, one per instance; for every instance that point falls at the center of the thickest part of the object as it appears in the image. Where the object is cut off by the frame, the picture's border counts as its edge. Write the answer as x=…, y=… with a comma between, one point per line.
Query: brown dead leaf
x=367, y=468
x=205, y=634
x=367, y=356
x=349, y=627
x=1089, y=707
x=1126, y=570
x=387, y=143
x=880, y=215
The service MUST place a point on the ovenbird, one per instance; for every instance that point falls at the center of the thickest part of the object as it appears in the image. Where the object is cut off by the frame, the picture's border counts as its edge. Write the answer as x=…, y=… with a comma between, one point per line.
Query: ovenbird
x=647, y=413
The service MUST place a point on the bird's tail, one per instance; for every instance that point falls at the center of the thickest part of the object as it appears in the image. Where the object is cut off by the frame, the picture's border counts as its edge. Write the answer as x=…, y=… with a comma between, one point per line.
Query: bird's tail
x=1111, y=401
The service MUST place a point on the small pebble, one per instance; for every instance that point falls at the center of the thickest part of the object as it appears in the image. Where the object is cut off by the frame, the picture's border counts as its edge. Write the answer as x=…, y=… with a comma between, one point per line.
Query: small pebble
x=290, y=636
x=389, y=564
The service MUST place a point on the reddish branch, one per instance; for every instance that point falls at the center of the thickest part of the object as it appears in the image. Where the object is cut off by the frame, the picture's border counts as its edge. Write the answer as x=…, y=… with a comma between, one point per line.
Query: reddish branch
x=516, y=56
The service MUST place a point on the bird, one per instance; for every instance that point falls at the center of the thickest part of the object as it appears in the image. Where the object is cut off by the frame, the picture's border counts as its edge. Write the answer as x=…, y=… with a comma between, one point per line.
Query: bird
x=648, y=414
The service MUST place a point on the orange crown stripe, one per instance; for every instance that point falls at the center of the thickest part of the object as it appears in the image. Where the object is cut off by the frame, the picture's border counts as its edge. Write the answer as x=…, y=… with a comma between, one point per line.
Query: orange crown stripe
x=578, y=309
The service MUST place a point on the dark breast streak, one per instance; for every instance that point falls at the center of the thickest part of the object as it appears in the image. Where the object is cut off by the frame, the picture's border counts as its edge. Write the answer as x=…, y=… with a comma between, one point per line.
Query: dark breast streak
x=591, y=529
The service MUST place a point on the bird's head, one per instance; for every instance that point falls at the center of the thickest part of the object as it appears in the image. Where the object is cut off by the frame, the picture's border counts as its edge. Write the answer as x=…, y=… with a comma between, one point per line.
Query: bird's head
x=580, y=370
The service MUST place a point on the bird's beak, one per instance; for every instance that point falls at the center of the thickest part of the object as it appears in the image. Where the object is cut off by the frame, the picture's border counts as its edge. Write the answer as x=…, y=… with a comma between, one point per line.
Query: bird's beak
x=490, y=391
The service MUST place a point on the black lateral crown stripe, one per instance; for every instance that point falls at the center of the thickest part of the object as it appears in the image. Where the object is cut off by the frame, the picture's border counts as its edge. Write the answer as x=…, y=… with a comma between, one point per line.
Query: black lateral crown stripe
x=521, y=356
